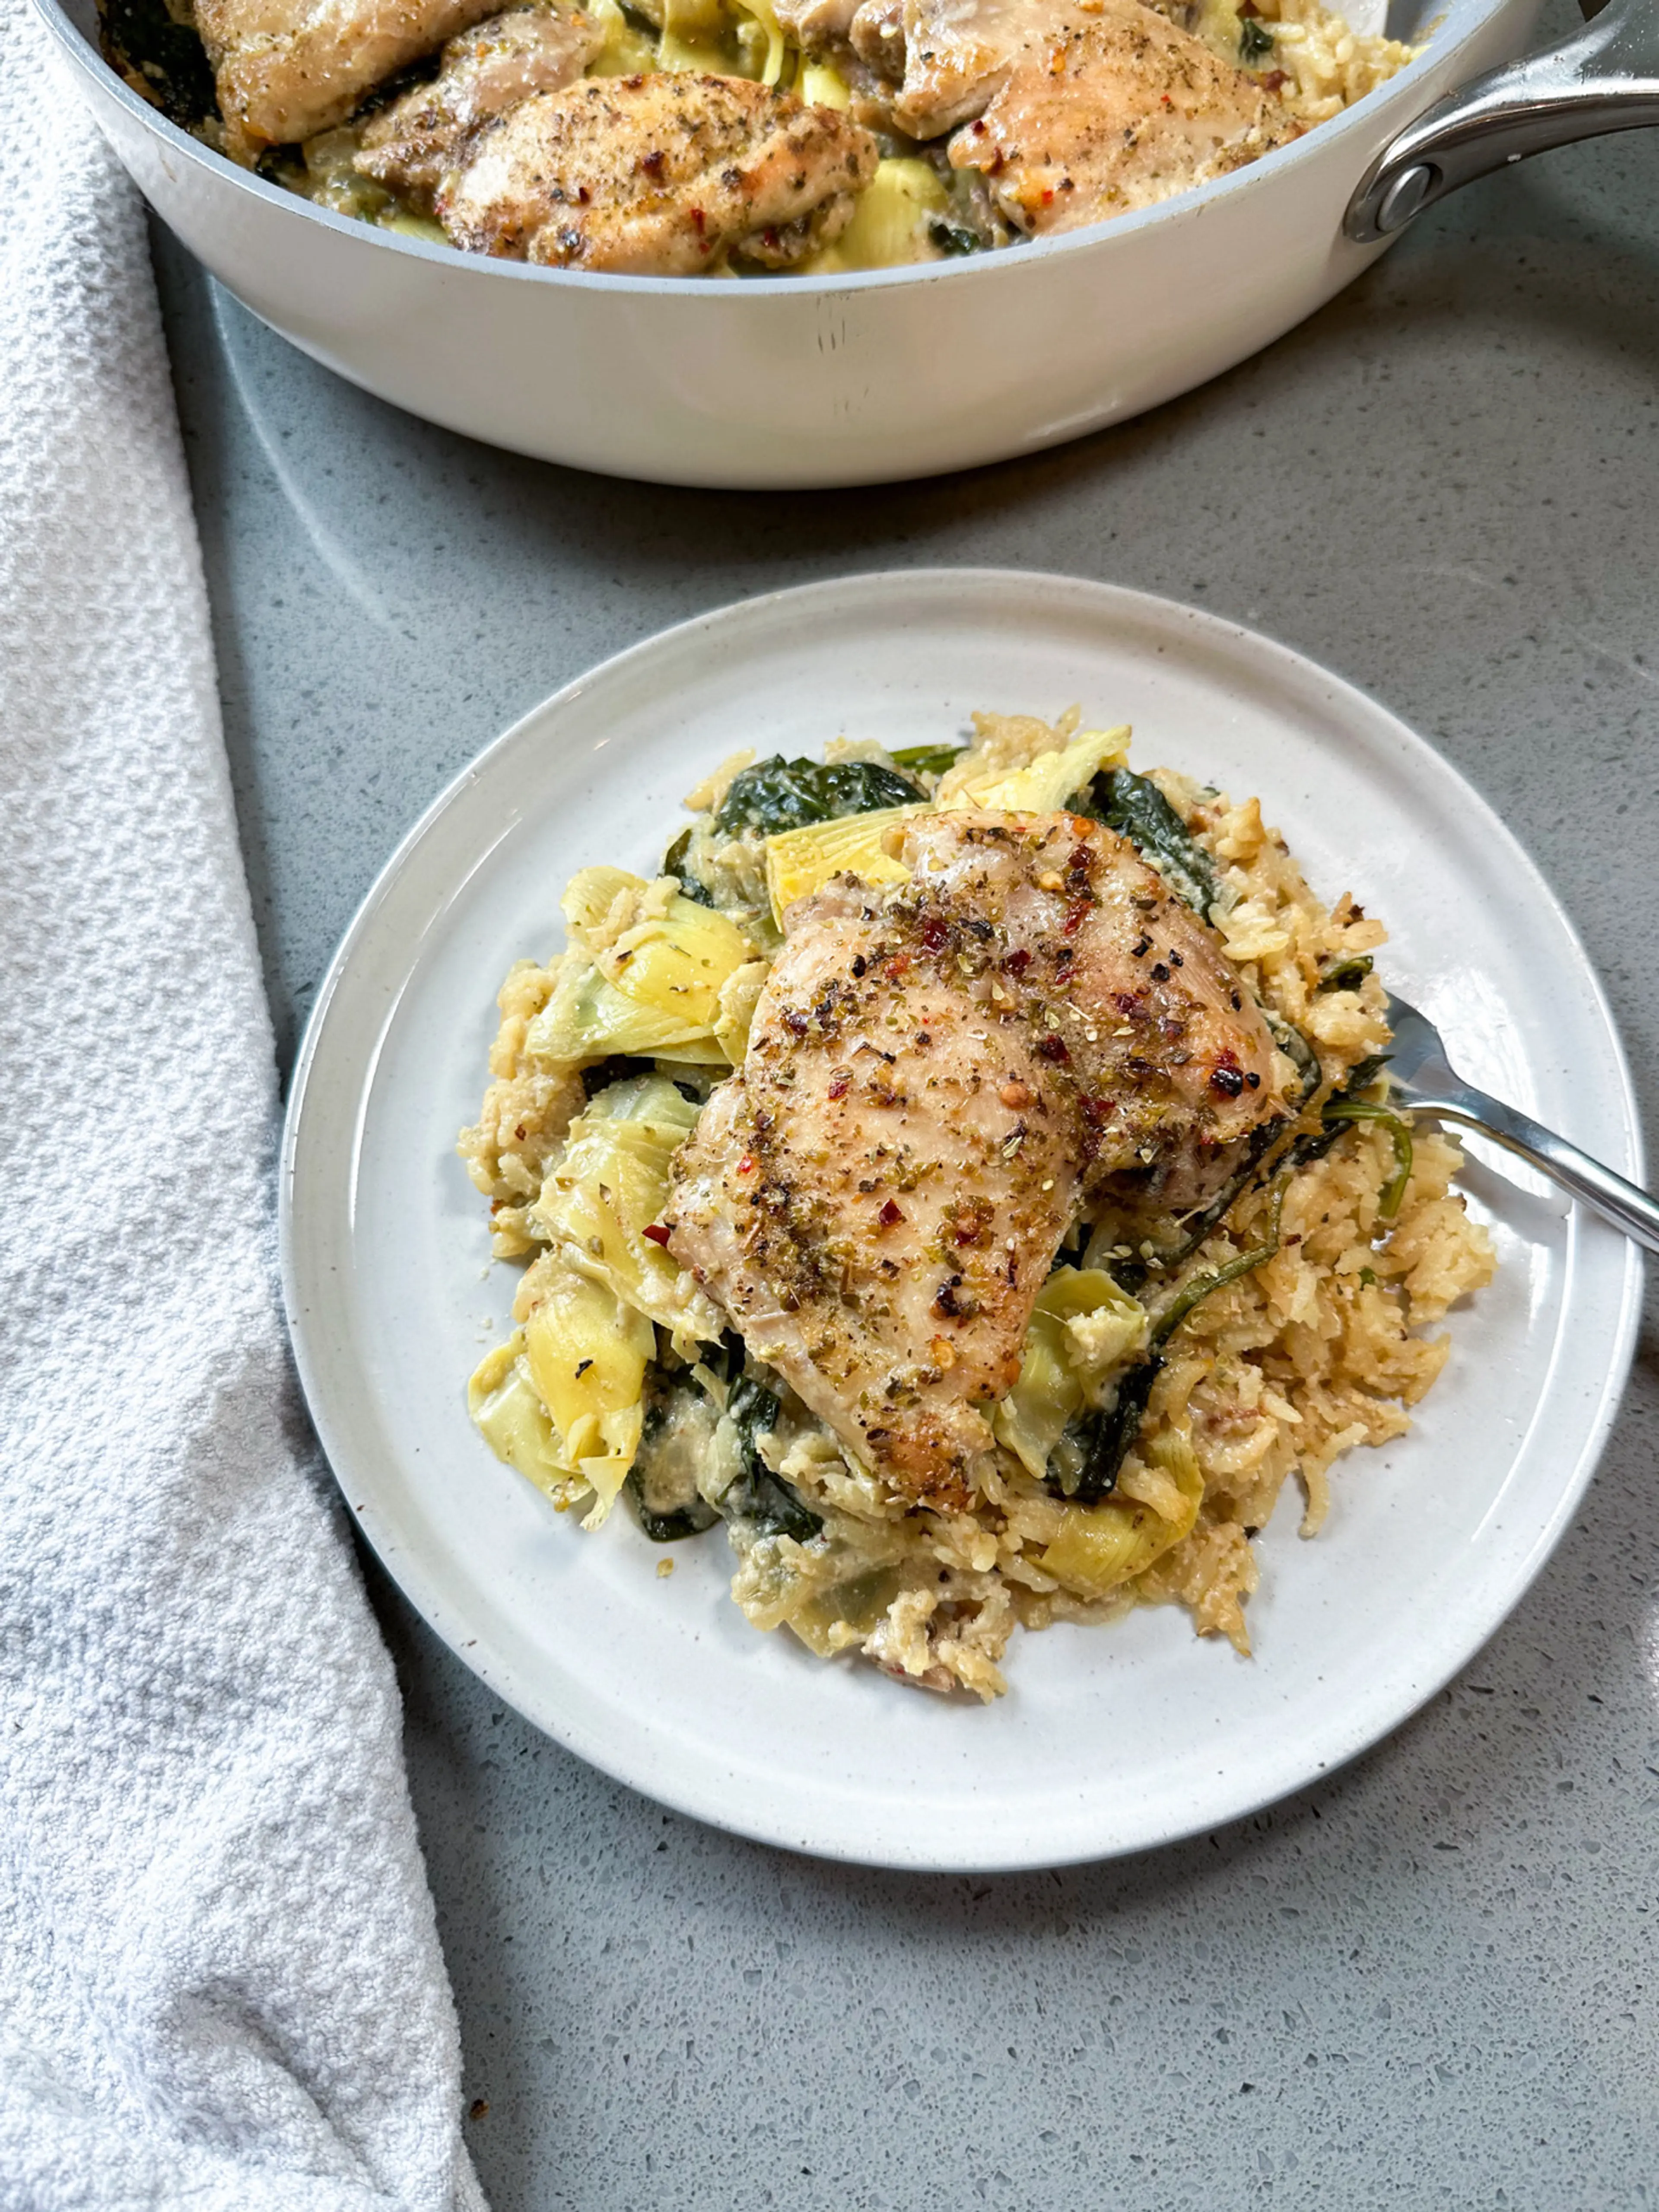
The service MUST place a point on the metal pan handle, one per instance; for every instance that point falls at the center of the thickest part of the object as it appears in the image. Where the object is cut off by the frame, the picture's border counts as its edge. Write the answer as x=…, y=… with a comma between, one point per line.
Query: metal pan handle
x=1605, y=78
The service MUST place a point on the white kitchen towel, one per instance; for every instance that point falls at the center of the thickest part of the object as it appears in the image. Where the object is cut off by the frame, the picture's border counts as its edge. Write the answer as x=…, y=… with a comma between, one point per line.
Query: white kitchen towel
x=219, y=1980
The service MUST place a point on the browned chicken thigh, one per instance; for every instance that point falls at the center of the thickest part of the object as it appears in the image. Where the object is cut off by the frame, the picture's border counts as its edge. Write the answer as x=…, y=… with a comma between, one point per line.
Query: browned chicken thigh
x=1118, y=109
x=937, y=1077
x=957, y=55
x=495, y=66
x=288, y=69
x=658, y=175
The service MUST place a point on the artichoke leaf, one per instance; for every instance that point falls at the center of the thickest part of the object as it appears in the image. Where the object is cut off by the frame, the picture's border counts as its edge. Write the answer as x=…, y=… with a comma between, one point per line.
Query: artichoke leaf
x=513, y=1420
x=587, y=1353
x=608, y=1187
x=739, y=996
x=1046, y=784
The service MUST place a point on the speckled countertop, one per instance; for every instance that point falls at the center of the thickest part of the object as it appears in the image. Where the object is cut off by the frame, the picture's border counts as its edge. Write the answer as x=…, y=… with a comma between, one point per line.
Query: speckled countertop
x=1432, y=1980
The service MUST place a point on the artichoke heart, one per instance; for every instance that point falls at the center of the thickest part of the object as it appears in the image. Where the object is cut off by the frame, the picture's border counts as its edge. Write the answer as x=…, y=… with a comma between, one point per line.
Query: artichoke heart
x=1082, y=1328
x=798, y=861
x=1051, y=779
x=644, y=975
x=1100, y=1547
x=587, y=1353
x=609, y=1186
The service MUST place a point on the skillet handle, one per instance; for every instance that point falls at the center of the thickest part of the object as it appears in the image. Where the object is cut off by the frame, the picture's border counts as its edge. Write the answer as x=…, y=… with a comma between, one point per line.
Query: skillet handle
x=1605, y=78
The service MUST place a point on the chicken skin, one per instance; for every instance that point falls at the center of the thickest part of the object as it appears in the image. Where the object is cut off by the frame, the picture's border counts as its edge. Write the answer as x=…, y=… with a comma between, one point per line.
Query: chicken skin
x=938, y=1078
x=286, y=71
x=658, y=175
x=1119, y=109
x=495, y=66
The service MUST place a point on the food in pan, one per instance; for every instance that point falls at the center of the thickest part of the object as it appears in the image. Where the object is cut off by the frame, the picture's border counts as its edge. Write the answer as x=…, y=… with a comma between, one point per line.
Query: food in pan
x=969, y=1175
x=734, y=137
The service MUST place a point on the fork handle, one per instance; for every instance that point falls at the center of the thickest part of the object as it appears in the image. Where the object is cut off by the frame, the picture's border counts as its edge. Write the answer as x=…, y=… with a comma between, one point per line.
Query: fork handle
x=1599, y=1188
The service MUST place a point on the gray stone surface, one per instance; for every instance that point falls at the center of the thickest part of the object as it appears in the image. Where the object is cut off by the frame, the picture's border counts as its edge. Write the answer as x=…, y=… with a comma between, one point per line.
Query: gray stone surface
x=1431, y=1980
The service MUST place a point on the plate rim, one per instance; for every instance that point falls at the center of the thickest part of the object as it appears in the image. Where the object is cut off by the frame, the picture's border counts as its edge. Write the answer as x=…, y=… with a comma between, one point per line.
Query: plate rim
x=502, y=1678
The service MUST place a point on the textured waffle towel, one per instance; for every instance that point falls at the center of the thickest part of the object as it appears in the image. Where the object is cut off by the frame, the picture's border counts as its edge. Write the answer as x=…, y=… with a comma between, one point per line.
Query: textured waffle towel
x=220, y=1982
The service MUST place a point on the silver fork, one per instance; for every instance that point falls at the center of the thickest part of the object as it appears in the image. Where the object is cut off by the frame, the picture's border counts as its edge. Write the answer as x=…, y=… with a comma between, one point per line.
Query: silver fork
x=1428, y=1084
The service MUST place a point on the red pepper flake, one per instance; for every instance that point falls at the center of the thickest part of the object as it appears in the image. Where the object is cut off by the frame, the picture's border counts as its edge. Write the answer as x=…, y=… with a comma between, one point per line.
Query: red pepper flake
x=1052, y=1047
x=656, y=1232
x=935, y=933
x=1270, y=79
x=746, y=1165
x=896, y=969
x=1017, y=961
x=1075, y=915
x=840, y=1083
x=889, y=1213
x=1096, y=1110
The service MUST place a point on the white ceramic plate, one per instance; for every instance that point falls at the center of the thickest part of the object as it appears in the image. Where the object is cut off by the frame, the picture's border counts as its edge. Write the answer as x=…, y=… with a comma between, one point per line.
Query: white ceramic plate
x=1110, y=1739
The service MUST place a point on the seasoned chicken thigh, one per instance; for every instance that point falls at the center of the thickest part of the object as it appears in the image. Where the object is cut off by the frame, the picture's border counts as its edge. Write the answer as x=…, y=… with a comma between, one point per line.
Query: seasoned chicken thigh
x=658, y=175
x=288, y=69
x=957, y=55
x=495, y=66
x=1120, y=109
x=937, y=1077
